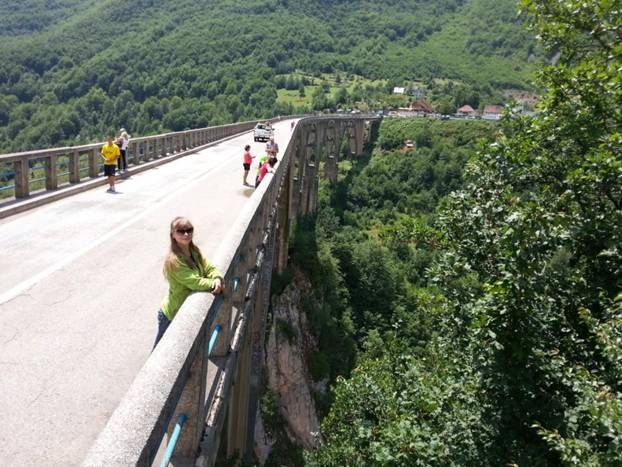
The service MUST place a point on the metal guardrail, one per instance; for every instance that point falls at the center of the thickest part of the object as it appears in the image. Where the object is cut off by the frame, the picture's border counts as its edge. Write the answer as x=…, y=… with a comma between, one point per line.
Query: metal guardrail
x=170, y=449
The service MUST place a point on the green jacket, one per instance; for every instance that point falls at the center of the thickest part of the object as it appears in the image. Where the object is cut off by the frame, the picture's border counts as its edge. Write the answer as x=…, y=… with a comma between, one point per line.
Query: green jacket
x=185, y=280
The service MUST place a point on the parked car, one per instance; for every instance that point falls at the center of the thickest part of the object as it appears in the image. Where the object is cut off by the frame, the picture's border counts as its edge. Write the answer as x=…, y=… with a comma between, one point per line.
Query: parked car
x=262, y=132
x=410, y=144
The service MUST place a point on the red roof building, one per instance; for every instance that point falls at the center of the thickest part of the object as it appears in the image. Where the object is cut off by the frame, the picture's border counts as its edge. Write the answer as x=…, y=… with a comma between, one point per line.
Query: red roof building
x=492, y=112
x=422, y=106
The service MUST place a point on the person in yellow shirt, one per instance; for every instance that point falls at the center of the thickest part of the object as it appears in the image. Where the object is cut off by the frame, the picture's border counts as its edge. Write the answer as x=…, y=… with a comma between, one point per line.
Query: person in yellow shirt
x=111, y=153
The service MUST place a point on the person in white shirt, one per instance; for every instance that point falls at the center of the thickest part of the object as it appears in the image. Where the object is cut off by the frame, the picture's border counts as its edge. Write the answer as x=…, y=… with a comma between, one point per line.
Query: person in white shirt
x=272, y=148
x=123, y=141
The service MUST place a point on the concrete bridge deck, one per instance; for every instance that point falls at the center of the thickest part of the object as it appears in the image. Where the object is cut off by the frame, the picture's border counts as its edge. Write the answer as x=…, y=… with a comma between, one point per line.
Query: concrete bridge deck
x=80, y=284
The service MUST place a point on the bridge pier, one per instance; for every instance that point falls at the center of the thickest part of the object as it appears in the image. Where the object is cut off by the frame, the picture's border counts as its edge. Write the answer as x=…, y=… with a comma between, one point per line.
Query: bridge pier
x=359, y=136
x=283, y=223
x=297, y=168
x=309, y=167
x=333, y=143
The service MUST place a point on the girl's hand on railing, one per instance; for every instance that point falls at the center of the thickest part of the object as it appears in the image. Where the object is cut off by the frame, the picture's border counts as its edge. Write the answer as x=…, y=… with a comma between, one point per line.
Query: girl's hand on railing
x=218, y=287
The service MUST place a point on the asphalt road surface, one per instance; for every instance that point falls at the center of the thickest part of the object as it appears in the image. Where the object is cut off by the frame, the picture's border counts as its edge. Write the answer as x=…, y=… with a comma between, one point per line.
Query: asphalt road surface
x=80, y=285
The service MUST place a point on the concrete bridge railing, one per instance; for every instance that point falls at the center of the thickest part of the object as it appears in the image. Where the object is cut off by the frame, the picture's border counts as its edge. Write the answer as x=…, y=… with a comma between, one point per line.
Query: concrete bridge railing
x=78, y=168
x=207, y=366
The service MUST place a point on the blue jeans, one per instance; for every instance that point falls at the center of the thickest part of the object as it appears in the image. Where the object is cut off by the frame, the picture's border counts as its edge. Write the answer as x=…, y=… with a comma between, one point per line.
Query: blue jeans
x=163, y=323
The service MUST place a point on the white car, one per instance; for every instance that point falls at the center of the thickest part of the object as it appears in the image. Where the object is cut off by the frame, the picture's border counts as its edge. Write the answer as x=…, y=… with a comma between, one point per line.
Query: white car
x=262, y=132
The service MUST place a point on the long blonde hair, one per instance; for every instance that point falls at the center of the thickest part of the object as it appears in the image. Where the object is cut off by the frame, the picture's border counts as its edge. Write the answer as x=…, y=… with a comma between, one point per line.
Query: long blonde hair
x=174, y=257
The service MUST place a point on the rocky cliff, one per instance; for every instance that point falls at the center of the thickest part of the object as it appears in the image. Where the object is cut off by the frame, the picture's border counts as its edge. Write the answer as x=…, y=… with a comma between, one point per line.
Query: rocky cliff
x=289, y=342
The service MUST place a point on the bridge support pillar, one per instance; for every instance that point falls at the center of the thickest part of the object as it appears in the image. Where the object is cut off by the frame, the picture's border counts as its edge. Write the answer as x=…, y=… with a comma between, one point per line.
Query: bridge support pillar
x=283, y=224
x=359, y=137
x=298, y=173
x=314, y=179
x=309, y=167
x=333, y=143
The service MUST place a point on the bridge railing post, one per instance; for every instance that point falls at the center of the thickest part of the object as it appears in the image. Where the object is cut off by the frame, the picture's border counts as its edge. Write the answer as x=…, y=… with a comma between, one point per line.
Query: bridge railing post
x=94, y=163
x=51, y=172
x=74, y=166
x=22, y=181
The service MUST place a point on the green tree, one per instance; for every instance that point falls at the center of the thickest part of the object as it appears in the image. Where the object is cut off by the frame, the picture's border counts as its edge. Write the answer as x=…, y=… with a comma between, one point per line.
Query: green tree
x=523, y=299
x=539, y=226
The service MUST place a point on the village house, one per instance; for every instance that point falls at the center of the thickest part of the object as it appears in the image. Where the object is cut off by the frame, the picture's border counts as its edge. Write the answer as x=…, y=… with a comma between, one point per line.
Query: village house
x=421, y=107
x=466, y=111
x=492, y=112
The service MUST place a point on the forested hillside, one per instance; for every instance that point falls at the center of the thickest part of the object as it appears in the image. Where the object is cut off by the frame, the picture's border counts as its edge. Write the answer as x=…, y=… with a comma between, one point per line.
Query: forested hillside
x=71, y=71
x=482, y=289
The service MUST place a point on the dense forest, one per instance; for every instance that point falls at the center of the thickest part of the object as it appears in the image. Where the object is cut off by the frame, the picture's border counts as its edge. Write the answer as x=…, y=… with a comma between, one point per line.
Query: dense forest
x=72, y=71
x=468, y=299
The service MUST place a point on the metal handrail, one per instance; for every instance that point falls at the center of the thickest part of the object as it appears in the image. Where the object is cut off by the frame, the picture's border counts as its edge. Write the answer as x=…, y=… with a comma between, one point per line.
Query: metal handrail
x=170, y=449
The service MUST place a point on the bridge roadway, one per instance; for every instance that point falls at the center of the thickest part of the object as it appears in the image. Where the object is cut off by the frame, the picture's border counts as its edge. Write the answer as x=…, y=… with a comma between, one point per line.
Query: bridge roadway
x=80, y=285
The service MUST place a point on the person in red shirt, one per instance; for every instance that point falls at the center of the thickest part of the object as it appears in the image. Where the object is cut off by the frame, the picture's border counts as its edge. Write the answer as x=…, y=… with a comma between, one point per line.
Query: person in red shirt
x=266, y=168
x=248, y=160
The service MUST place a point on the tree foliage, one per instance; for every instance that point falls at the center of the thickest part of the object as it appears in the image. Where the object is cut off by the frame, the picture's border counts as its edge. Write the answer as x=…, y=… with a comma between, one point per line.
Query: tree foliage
x=169, y=65
x=518, y=311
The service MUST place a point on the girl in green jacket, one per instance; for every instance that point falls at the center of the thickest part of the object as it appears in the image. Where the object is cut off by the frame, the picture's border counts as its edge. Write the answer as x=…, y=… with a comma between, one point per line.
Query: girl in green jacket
x=187, y=271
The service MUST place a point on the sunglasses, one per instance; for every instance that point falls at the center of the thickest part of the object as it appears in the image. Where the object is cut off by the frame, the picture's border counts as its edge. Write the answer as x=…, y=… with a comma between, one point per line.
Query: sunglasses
x=189, y=230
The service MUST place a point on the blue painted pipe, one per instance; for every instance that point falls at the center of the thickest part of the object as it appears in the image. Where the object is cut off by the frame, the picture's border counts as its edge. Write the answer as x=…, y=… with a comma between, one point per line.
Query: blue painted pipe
x=212, y=339
x=170, y=449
